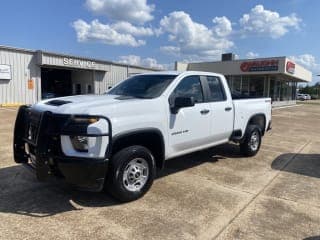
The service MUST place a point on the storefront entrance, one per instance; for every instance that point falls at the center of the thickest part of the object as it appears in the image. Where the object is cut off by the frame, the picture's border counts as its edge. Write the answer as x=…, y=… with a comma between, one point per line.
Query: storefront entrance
x=56, y=82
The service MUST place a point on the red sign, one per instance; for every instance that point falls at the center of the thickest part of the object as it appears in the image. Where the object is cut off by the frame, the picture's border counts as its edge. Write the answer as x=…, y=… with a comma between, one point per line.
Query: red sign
x=260, y=66
x=290, y=67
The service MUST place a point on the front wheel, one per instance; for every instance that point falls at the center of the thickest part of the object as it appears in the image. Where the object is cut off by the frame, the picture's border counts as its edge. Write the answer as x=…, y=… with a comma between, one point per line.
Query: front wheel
x=252, y=141
x=131, y=173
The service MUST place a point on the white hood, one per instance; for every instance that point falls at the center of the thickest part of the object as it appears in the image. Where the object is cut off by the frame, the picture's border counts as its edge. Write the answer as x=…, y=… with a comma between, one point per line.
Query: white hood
x=84, y=104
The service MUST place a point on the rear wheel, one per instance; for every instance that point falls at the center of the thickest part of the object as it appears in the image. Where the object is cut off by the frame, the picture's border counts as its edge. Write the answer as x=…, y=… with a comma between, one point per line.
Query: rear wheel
x=131, y=173
x=251, y=144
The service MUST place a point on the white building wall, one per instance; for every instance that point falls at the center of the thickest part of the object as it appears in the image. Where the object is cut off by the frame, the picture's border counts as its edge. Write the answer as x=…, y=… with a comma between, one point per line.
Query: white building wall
x=84, y=78
x=300, y=72
x=134, y=70
x=23, y=68
x=118, y=73
x=233, y=68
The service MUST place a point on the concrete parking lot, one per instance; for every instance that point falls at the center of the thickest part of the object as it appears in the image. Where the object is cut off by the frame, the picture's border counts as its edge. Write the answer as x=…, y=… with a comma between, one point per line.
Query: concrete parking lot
x=213, y=194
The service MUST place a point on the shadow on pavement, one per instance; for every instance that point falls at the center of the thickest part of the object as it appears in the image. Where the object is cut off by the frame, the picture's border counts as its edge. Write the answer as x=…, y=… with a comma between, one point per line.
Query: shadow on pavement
x=21, y=193
x=195, y=159
x=312, y=238
x=303, y=164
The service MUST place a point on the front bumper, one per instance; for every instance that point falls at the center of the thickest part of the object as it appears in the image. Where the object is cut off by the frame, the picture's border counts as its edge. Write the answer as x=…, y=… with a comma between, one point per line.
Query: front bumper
x=37, y=145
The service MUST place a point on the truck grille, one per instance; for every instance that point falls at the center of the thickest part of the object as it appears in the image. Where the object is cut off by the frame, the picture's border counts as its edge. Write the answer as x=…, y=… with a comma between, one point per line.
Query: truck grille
x=33, y=126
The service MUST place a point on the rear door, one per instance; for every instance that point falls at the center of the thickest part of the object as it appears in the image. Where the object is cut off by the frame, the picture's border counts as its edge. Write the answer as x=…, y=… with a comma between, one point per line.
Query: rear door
x=221, y=120
x=190, y=127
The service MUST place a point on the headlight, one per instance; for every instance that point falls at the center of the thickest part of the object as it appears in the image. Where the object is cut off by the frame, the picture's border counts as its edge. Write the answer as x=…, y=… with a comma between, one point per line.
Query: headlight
x=79, y=143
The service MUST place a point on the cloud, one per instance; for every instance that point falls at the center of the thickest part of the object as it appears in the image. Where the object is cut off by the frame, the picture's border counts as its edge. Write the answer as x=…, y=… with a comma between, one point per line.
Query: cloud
x=223, y=26
x=138, y=61
x=193, y=40
x=308, y=61
x=251, y=55
x=134, y=11
x=126, y=27
x=120, y=33
x=267, y=23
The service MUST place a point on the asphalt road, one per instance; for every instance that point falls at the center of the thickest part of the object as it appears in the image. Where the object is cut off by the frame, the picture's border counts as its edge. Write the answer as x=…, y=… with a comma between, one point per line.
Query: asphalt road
x=213, y=194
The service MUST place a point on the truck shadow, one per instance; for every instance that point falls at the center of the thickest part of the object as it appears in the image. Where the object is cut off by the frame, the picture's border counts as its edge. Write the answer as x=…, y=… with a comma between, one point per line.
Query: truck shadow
x=21, y=193
x=303, y=164
x=312, y=238
x=195, y=159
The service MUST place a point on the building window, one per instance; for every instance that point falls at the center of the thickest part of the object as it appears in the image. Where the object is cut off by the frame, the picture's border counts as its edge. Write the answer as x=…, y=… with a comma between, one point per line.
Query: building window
x=245, y=86
x=236, y=85
x=257, y=86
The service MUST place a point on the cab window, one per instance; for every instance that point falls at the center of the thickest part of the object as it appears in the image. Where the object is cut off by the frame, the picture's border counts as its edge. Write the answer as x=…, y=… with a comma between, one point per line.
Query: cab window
x=189, y=87
x=217, y=92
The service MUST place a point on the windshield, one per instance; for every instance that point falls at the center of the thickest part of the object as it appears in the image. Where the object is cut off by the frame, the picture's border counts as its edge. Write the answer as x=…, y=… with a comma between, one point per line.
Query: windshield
x=143, y=86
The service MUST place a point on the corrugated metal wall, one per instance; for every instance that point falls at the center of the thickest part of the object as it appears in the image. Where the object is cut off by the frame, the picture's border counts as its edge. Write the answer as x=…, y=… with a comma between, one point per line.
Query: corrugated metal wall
x=116, y=74
x=23, y=68
x=134, y=70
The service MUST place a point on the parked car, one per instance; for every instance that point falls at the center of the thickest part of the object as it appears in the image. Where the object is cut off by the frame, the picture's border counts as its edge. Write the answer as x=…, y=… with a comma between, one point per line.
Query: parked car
x=119, y=140
x=303, y=97
x=308, y=97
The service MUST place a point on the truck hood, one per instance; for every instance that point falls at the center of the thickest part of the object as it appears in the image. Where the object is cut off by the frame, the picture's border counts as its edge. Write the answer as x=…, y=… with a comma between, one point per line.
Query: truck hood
x=86, y=104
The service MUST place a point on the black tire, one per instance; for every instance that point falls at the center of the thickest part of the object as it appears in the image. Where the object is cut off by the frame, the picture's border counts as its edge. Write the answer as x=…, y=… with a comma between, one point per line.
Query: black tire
x=124, y=164
x=249, y=147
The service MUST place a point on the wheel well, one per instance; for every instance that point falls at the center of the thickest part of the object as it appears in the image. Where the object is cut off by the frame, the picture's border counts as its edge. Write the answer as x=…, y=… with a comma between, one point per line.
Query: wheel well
x=259, y=120
x=151, y=139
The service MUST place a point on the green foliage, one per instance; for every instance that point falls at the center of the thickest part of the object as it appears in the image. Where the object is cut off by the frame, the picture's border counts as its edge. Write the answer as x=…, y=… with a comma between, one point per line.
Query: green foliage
x=313, y=91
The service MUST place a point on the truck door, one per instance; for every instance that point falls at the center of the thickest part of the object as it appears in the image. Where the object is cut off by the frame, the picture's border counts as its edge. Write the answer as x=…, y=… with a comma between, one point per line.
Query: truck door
x=221, y=122
x=190, y=126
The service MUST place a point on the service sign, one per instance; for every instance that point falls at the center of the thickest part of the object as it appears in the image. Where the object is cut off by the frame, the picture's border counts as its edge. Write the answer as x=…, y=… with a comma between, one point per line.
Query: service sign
x=290, y=67
x=260, y=66
x=78, y=62
x=5, y=72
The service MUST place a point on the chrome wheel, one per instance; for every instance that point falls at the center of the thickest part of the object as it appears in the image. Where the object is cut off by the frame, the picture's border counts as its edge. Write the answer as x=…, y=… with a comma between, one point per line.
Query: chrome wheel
x=136, y=174
x=254, y=141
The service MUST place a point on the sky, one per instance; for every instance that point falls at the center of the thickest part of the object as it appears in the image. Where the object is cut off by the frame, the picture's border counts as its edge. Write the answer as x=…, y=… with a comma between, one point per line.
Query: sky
x=157, y=33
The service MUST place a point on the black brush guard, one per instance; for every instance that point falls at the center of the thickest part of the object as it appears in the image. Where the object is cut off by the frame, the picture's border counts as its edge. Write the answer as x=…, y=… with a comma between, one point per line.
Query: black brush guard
x=37, y=145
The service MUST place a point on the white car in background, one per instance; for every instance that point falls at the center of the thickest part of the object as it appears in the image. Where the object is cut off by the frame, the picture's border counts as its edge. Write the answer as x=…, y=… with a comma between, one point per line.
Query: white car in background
x=303, y=97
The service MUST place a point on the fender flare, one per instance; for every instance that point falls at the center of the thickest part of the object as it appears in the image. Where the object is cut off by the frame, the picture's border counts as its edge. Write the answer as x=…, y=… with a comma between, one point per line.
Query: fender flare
x=160, y=158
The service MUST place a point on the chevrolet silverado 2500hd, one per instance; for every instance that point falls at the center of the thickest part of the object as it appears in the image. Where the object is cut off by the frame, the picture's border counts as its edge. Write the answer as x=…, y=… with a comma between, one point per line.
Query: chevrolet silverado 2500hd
x=118, y=140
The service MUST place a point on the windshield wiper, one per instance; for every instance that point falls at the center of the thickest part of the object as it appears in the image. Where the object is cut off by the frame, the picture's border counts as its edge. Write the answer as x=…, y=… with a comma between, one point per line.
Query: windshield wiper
x=124, y=97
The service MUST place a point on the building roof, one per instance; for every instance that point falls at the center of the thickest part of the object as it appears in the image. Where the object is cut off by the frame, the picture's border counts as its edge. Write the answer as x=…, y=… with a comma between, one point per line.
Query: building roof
x=259, y=66
x=103, y=61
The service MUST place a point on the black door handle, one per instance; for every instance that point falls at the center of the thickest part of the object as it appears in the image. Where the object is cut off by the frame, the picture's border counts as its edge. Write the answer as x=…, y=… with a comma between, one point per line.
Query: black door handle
x=204, y=111
x=227, y=109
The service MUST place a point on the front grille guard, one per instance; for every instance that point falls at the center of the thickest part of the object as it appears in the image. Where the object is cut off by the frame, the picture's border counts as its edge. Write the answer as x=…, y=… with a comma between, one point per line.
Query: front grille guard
x=49, y=127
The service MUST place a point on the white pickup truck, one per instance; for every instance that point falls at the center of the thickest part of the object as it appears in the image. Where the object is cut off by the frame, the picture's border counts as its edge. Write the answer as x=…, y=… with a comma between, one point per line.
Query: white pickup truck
x=117, y=141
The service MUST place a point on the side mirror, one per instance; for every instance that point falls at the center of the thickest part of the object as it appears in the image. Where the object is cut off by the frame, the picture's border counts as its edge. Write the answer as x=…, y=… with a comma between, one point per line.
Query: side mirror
x=182, y=102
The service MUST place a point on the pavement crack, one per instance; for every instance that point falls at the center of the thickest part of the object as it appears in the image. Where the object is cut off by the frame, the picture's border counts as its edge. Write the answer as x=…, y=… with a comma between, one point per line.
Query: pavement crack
x=262, y=190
